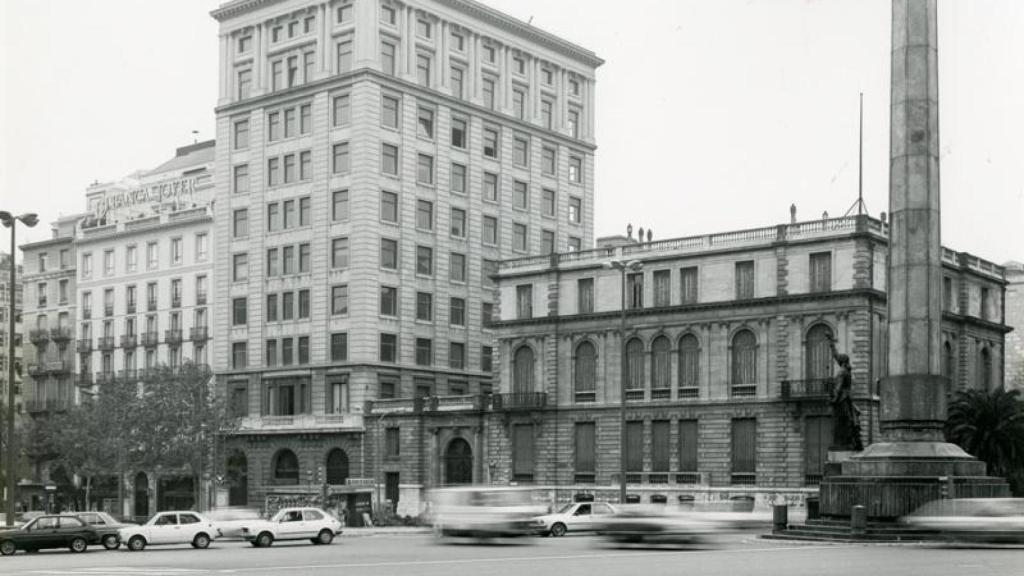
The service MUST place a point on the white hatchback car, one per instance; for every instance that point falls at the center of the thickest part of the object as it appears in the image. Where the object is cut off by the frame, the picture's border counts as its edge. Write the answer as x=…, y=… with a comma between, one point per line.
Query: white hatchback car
x=311, y=524
x=175, y=527
x=574, y=517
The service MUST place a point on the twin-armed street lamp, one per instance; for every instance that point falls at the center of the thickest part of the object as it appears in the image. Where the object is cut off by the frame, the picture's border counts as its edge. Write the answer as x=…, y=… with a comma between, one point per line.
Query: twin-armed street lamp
x=9, y=220
x=624, y=267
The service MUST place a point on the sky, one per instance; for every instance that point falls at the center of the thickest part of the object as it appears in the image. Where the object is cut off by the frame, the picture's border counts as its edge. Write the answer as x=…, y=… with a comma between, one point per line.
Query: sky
x=712, y=115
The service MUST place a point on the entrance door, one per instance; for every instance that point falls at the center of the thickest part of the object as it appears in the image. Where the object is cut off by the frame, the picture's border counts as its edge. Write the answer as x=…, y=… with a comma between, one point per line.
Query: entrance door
x=458, y=462
x=238, y=479
x=141, y=495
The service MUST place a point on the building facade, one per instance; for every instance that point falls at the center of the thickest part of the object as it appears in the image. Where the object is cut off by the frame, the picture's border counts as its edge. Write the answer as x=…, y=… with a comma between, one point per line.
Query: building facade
x=7, y=292
x=727, y=368
x=1015, y=319
x=375, y=161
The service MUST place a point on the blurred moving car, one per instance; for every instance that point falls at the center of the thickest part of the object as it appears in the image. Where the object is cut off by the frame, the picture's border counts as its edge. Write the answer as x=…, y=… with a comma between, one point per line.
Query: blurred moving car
x=658, y=525
x=231, y=520
x=484, y=511
x=311, y=524
x=106, y=526
x=574, y=517
x=176, y=527
x=972, y=518
x=50, y=531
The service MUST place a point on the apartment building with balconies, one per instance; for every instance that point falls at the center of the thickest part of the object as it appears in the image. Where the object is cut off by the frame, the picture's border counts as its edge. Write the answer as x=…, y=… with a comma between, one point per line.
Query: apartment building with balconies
x=375, y=161
x=7, y=292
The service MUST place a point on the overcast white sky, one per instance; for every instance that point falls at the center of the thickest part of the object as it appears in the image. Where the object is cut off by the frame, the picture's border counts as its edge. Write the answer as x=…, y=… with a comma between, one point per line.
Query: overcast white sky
x=712, y=115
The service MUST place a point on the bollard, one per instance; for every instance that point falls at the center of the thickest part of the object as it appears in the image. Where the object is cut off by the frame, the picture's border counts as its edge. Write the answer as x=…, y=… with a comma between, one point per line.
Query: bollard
x=780, y=516
x=858, y=519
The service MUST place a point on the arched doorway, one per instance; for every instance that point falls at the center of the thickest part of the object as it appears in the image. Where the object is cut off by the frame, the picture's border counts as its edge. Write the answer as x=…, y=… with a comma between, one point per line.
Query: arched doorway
x=522, y=372
x=141, y=495
x=818, y=352
x=238, y=479
x=458, y=462
x=286, y=467
x=337, y=467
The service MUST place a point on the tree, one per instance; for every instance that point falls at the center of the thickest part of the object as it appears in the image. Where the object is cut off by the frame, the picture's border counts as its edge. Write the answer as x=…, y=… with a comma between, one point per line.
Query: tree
x=989, y=424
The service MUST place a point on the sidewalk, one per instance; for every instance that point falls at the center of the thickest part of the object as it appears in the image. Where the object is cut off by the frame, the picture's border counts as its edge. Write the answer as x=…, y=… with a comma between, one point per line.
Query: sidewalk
x=376, y=531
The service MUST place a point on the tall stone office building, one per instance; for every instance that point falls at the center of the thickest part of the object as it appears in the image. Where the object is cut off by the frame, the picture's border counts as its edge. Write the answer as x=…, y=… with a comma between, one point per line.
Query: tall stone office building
x=375, y=160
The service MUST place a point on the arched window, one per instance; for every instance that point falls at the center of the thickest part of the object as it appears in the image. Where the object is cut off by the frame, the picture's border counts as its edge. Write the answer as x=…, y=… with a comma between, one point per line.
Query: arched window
x=818, y=353
x=286, y=467
x=635, y=365
x=458, y=462
x=744, y=363
x=948, y=360
x=585, y=373
x=984, y=368
x=522, y=374
x=337, y=466
x=689, y=366
x=661, y=367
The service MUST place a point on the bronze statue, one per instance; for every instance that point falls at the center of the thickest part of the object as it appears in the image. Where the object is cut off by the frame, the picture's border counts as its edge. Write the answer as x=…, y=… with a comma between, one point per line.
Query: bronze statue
x=845, y=415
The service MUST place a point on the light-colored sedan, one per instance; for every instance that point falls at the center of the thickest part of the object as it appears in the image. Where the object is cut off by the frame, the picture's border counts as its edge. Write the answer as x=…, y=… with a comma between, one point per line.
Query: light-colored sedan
x=175, y=527
x=231, y=520
x=574, y=517
x=311, y=524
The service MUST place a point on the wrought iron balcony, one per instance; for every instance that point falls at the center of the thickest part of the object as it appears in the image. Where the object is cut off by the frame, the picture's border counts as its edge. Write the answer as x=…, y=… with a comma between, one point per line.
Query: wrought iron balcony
x=105, y=343
x=108, y=310
x=150, y=339
x=86, y=313
x=60, y=334
x=84, y=380
x=514, y=401
x=104, y=378
x=36, y=370
x=59, y=366
x=129, y=341
x=199, y=334
x=37, y=406
x=200, y=298
x=811, y=389
x=84, y=345
x=130, y=307
x=151, y=304
x=39, y=335
x=172, y=336
x=175, y=301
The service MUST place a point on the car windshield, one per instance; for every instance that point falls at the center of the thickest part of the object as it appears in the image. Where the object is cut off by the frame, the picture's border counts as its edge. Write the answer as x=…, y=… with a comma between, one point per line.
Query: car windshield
x=287, y=516
x=565, y=509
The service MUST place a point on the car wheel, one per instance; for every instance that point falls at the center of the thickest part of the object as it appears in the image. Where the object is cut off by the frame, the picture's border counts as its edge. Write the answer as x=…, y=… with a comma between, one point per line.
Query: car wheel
x=79, y=545
x=325, y=537
x=7, y=548
x=558, y=529
x=201, y=541
x=264, y=539
x=137, y=543
x=111, y=542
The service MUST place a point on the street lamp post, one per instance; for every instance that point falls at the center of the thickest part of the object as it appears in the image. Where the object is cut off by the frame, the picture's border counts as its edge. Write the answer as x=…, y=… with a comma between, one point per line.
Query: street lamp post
x=623, y=267
x=9, y=220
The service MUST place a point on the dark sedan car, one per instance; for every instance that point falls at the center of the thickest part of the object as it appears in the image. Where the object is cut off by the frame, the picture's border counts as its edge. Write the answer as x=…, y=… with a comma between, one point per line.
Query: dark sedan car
x=48, y=532
x=106, y=526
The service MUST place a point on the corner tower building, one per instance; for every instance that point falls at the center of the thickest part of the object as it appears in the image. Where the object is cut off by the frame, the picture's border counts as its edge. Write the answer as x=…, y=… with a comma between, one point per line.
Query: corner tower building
x=375, y=160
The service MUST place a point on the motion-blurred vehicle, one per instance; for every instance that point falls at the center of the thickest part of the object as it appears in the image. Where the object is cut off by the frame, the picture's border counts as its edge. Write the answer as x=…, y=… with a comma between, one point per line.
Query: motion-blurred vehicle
x=484, y=511
x=311, y=524
x=176, y=527
x=972, y=518
x=658, y=525
x=51, y=531
x=106, y=526
x=574, y=517
x=231, y=520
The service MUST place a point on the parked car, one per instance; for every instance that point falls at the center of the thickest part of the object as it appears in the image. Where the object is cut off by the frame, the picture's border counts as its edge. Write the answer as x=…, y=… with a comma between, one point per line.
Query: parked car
x=995, y=519
x=311, y=524
x=231, y=520
x=106, y=527
x=177, y=527
x=484, y=511
x=658, y=525
x=50, y=531
x=574, y=517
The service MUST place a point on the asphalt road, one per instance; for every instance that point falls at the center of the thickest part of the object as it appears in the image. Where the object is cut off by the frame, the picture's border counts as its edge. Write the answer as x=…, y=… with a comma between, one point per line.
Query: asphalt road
x=421, y=555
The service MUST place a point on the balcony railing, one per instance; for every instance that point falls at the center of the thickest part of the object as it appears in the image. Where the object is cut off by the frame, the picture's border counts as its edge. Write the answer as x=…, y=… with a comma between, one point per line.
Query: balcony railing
x=36, y=370
x=661, y=394
x=39, y=335
x=42, y=302
x=84, y=345
x=199, y=333
x=84, y=380
x=151, y=304
x=129, y=341
x=811, y=389
x=519, y=401
x=37, y=406
x=172, y=336
x=105, y=343
x=175, y=301
x=59, y=366
x=689, y=393
x=60, y=334
x=104, y=378
x=743, y=390
x=86, y=313
x=150, y=339
x=130, y=307
x=300, y=422
x=635, y=395
x=200, y=298
x=108, y=310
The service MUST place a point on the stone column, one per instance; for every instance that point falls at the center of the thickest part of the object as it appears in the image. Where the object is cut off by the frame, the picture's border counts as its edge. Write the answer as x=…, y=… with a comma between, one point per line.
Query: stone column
x=913, y=394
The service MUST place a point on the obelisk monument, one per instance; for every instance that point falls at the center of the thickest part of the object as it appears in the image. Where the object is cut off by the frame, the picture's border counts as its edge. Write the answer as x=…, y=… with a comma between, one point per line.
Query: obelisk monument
x=913, y=464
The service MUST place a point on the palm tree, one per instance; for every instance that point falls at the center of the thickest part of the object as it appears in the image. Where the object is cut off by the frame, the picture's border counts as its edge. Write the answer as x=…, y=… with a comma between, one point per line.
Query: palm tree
x=989, y=424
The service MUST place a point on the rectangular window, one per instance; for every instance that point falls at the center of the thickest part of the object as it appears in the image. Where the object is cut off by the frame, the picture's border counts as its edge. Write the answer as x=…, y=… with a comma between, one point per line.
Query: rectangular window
x=389, y=253
x=289, y=122
x=458, y=178
x=688, y=445
x=241, y=178
x=458, y=42
x=389, y=206
x=545, y=113
x=276, y=75
x=947, y=293
x=305, y=118
x=818, y=437
x=241, y=134
x=389, y=159
x=574, y=123
x=522, y=452
x=342, y=110
x=288, y=214
x=524, y=301
x=244, y=83
x=344, y=57
x=485, y=359
x=519, y=103
x=585, y=441
x=305, y=165
x=575, y=169
x=387, y=58
x=423, y=29
x=425, y=306
x=486, y=312
x=425, y=260
x=744, y=450
x=520, y=195
x=423, y=70
x=487, y=88
x=821, y=271
x=634, y=446
x=339, y=253
x=424, y=214
x=274, y=126
x=289, y=168
x=388, y=301
x=635, y=290
x=456, y=81
x=424, y=352
x=459, y=132
x=457, y=312
x=240, y=267
x=272, y=261
x=425, y=123
x=688, y=284
x=238, y=355
x=575, y=210
x=490, y=143
x=521, y=155
x=585, y=295
x=547, y=241
x=287, y=352
x=271, y=312
x=456, y=355
x=425, y=169
x=549, y=160
x=339, y=205
x=457, y=267
x=273, y=217
x=238, y=311
x=519, y=237
x=458, y=223
x=662, y=287
x=549, y=202
x=660, y=432
x=288, y=260
x=304, y=211
x=308, y=65
x=303, y=349
x=339, y=299
x=490, y=188
x=391, y=442
x=273, y=171
x=389, y=111
x=744, y=279
x=340, y=164
x=339, y=347
x=984, y=307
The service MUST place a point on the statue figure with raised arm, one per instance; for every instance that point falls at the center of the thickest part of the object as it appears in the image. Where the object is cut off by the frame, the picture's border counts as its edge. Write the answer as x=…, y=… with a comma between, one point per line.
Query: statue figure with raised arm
x=845, y=415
